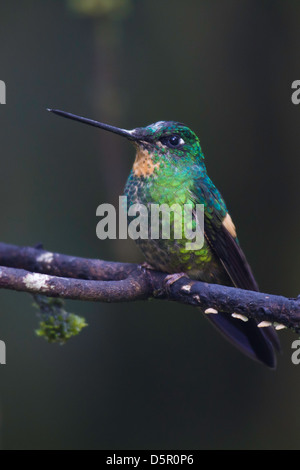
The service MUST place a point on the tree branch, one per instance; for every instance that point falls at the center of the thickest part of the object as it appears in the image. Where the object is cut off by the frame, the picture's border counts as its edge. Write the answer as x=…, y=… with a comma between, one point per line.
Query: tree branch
x=38, y=271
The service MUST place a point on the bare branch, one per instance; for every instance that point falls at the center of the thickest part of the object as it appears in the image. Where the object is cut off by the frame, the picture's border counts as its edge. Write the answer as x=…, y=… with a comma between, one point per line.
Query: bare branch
x=41, y=261
x=132, y=288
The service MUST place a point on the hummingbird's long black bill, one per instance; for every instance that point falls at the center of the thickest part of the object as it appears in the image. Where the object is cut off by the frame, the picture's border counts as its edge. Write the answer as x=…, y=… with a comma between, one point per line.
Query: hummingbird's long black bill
x=116, y=130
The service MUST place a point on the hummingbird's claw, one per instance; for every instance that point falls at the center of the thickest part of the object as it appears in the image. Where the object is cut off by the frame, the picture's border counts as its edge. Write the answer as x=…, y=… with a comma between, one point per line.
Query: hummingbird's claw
x=171, y=278
x=146, y=265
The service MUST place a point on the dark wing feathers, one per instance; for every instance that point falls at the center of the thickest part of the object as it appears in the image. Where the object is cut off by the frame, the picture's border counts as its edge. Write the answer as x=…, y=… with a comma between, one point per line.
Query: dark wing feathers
x=232, y=258
x=257, y=343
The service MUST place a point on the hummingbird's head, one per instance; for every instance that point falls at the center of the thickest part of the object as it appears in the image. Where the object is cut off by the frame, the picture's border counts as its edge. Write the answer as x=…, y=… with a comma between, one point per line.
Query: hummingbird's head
x=161, y=143
x=168, y=137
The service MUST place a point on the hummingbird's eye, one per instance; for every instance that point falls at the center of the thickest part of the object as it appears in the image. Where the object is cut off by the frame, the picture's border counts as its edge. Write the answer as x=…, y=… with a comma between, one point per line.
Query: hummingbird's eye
x=172, y=141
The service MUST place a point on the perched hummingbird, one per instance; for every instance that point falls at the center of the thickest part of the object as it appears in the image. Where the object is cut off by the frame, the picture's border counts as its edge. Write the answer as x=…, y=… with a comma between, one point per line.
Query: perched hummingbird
x=169, y=168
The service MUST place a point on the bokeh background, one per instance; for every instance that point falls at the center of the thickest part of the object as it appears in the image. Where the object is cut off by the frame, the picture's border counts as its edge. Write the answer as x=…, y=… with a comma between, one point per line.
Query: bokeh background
x=147, y=375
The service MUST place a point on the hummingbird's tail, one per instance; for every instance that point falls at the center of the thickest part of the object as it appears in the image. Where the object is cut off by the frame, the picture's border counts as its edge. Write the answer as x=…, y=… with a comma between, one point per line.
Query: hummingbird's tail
x=258, y=343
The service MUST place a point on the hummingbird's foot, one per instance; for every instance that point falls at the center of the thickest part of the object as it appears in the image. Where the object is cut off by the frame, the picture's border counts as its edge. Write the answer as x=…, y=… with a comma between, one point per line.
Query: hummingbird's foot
x=146, y=265
x=171, y=278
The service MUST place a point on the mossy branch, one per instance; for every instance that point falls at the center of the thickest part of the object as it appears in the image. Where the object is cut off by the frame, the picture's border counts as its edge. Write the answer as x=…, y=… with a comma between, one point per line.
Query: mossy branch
x=56, y=275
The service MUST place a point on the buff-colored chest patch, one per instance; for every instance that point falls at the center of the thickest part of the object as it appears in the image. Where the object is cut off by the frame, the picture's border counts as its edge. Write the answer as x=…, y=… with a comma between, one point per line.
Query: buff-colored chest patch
x=229, y=225
x=143, y=165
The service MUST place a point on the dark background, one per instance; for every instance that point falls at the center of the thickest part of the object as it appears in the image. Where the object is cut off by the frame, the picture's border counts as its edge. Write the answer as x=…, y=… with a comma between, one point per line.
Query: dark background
x=147, y=375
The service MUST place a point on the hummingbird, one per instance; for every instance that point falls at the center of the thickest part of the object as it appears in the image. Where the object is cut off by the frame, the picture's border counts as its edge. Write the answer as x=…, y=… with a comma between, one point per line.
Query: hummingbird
x=169, y=168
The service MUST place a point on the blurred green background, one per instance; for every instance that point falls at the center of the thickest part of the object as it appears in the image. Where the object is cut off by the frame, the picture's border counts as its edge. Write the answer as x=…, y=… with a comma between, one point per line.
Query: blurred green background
x=147, y=375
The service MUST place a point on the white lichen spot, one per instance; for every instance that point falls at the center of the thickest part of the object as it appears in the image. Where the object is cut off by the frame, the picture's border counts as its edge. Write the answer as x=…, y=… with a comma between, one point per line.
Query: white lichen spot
x=36, y=281
x=186, y=288
x=45, y=258
x=279, y=326
x=239, y=316
x=264, y=324
x=211, y=310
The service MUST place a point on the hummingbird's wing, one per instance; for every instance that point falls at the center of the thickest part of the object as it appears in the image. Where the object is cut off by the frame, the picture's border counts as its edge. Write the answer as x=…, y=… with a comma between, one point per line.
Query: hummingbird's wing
x=219, y=231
